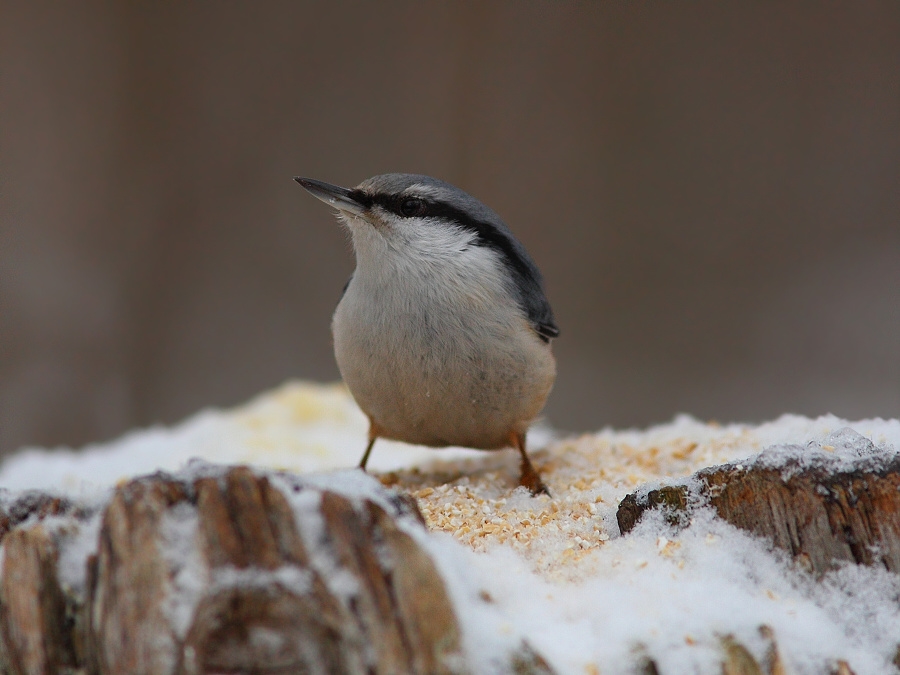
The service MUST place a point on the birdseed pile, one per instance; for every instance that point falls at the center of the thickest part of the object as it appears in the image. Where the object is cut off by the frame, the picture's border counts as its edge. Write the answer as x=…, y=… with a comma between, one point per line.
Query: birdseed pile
x=477, y=501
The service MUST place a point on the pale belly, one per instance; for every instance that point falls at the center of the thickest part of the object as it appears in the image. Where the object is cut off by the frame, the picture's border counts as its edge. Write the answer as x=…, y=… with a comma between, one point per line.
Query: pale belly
x=441, y=385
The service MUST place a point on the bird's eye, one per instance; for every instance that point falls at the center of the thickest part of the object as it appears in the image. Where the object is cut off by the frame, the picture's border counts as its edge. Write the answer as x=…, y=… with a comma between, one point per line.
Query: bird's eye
x=412, y=206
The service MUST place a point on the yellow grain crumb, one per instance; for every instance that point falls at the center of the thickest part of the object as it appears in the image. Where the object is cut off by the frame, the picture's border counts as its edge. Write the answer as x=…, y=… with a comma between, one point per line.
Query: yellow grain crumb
x=477, y=500
x=667, y=548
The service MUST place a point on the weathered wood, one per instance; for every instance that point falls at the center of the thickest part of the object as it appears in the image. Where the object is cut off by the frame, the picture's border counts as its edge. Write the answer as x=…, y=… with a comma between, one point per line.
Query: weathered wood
x=526, y=661
x=33, y=506
x=265, y=629
x=128, y=627
x=354, y=551
x=738, y=659
x=217, y=574
x=422, y=606
x=672, y=500
x=33, y=623
x=259, y=624
x=823, y=517
x=773, y=662
x=842, y=668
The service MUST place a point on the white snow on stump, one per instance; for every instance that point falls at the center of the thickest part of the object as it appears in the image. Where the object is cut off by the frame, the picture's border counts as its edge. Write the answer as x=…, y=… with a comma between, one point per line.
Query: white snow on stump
x=554, y=572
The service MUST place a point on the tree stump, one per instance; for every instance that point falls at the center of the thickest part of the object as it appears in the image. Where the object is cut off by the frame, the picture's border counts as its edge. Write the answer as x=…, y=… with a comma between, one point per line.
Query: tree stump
x=824, y=511
x=225, y=572
x=228, y=570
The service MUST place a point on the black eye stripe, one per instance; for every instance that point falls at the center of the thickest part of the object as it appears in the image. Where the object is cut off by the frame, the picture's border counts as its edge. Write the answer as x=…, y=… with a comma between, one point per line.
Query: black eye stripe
x=427, y=208
x=362, y=198
x=405, y=206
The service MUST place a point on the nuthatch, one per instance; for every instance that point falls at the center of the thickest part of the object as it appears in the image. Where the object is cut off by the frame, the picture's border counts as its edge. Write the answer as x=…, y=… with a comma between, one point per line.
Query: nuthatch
x=443, y=331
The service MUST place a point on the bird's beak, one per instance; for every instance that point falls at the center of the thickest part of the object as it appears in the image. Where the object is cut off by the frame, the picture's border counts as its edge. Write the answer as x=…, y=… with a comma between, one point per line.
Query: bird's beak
x=340, y=198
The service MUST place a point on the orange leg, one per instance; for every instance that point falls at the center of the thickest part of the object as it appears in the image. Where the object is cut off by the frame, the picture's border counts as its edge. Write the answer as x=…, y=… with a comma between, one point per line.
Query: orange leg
x=529, y=477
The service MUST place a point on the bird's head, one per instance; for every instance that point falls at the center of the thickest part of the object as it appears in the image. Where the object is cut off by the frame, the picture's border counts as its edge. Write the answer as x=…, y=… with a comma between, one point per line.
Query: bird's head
x=422, y=221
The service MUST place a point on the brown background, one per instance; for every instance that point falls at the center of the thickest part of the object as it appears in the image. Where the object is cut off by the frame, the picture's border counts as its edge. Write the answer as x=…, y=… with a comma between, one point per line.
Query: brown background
x=713, y=195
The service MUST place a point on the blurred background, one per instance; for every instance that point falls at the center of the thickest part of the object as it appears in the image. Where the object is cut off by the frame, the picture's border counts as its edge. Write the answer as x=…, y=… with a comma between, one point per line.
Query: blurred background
x=712, y=193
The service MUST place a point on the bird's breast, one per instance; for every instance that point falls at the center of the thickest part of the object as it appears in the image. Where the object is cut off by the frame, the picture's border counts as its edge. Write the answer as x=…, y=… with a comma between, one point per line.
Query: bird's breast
x=451, y=364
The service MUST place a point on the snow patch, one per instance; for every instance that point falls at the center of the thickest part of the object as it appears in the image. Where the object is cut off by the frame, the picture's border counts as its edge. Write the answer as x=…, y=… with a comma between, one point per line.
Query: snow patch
x=550, y=573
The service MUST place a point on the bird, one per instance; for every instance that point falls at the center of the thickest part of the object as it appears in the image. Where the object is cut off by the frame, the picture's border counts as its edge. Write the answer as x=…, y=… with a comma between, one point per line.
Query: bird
x=443, y=333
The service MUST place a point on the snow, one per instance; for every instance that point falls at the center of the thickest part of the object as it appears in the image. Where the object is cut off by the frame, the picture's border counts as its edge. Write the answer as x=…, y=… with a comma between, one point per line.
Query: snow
x=553, y=574
x=75, y=543
x=672, y=597
x=300, y=427
x=189, y=576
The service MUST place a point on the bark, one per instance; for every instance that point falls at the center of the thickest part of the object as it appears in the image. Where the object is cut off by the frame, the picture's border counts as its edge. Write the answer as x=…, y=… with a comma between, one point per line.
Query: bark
x=32, y=506
x=216, y=575
x=35, y=630
x=822, y=517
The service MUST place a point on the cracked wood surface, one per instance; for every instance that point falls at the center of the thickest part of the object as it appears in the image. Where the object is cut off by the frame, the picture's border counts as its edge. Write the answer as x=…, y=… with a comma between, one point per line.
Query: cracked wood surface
x=254, y=600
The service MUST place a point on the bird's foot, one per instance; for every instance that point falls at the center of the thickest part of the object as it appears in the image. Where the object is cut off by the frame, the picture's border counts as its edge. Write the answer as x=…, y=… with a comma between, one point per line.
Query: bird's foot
x=531, y=479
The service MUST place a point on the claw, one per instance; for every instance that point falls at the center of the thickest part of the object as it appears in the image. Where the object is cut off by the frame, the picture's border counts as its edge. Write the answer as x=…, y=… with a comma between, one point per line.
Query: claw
x=529, y=477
